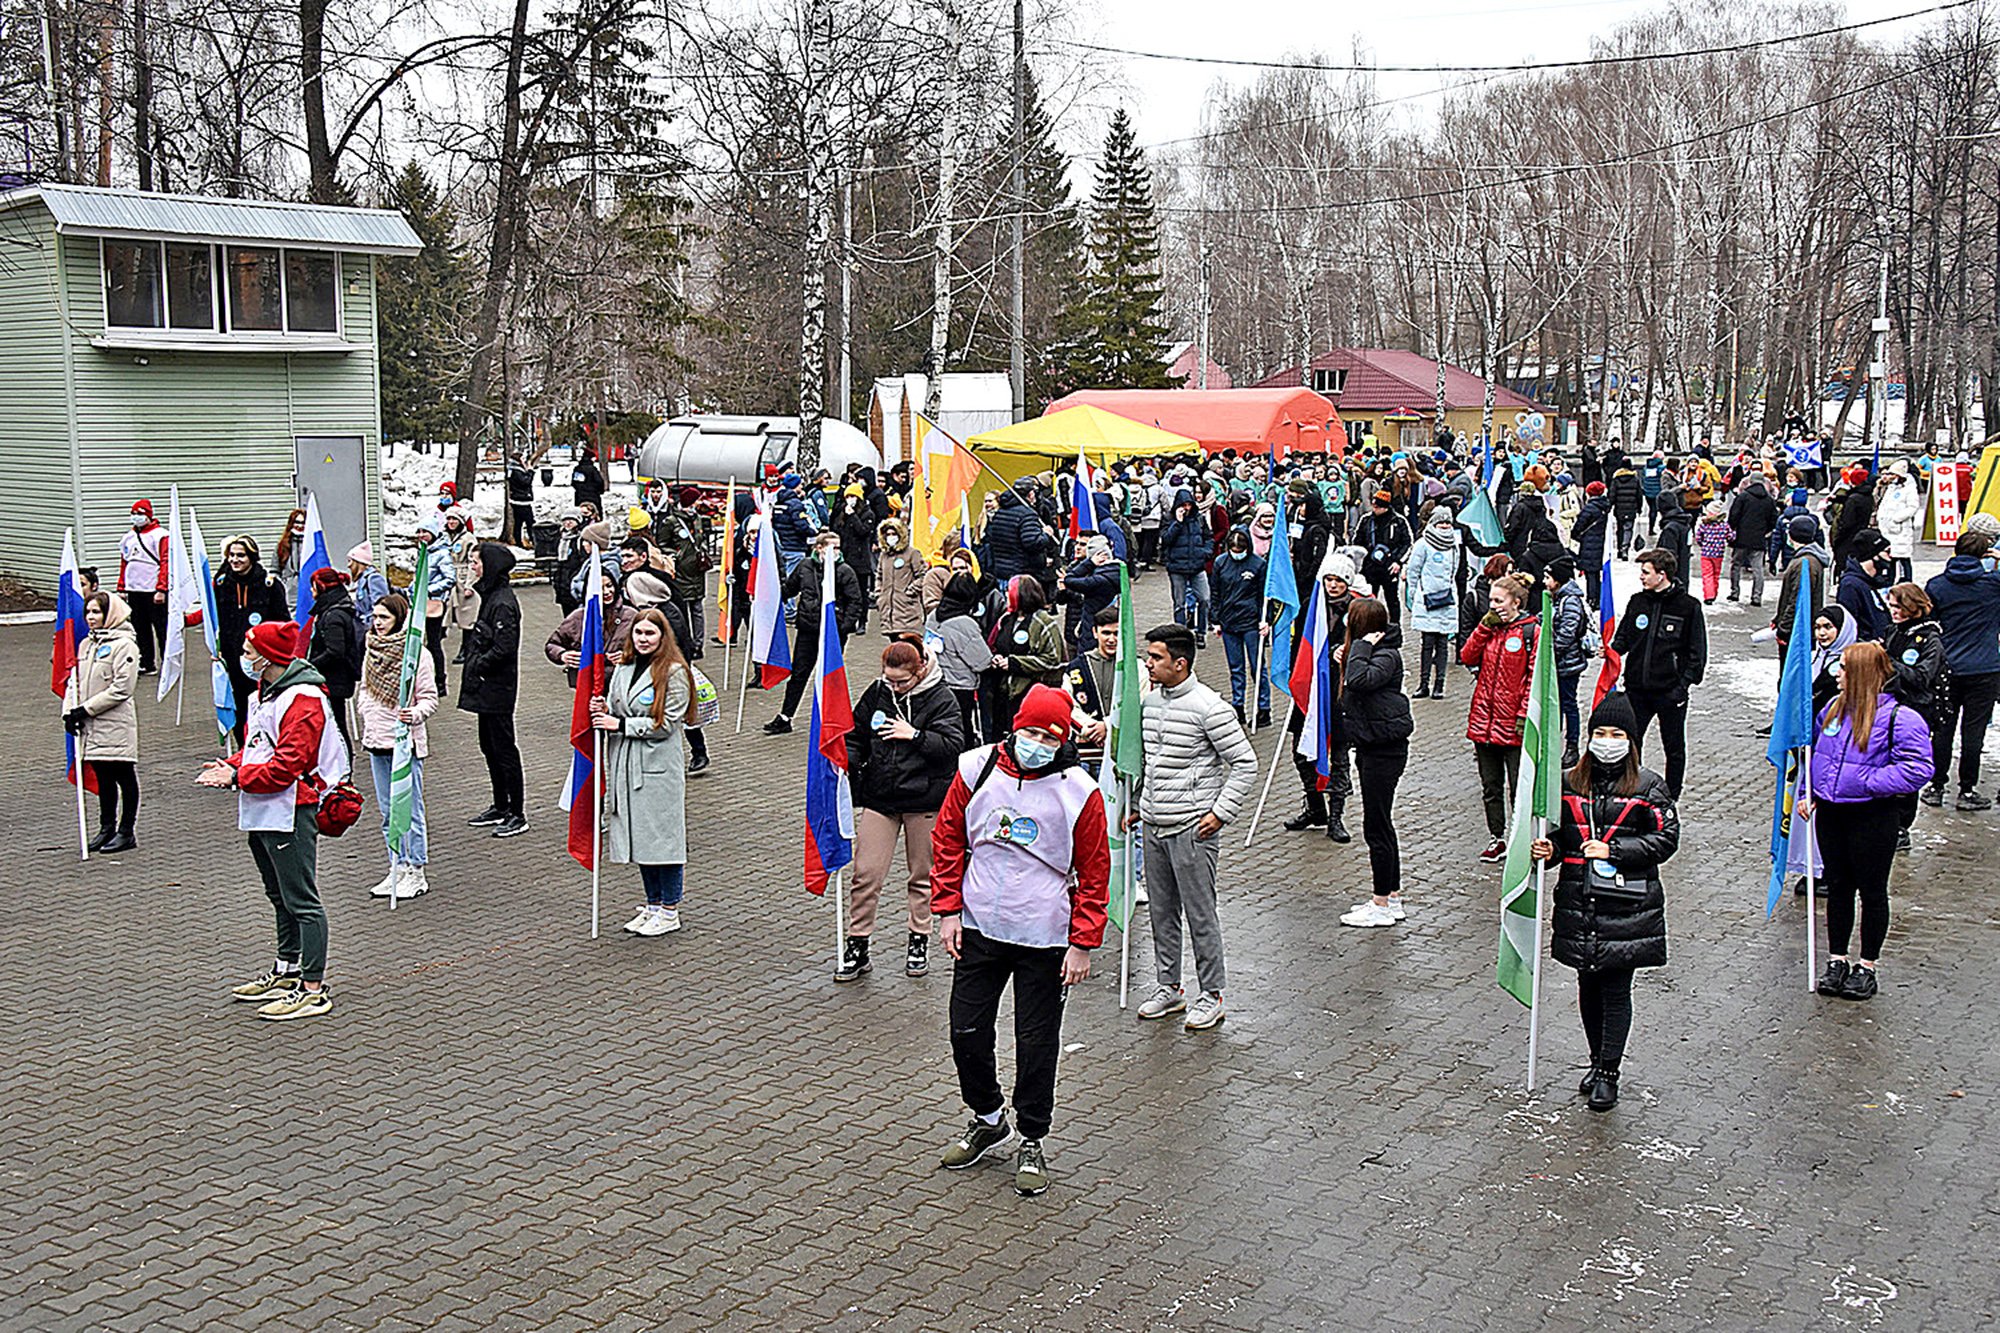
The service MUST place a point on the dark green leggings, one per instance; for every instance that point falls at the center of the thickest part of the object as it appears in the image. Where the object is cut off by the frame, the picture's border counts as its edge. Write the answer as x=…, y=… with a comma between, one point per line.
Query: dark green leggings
x=288, y=863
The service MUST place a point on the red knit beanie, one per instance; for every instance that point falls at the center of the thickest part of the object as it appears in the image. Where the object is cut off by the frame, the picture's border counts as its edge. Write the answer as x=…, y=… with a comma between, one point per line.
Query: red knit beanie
x=1045, y=708
x=276, y=641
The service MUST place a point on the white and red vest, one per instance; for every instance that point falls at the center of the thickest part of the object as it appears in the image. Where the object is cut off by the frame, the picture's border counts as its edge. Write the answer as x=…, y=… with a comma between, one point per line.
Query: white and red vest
x=1020, y=840
x=273, y=812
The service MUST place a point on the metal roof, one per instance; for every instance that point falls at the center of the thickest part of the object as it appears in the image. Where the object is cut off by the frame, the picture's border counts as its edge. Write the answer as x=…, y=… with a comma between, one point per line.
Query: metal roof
x=89, y=210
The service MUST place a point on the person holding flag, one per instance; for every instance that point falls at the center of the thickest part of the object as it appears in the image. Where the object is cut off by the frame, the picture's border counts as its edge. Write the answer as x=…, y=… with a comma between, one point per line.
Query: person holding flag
x=1618, y=825
x=1502, y=649
x=204, y=590
x=1317, y=734
x=99, y=712
x=1019, y=882
x=398, y=691
x=246, y=596
x=648, y=699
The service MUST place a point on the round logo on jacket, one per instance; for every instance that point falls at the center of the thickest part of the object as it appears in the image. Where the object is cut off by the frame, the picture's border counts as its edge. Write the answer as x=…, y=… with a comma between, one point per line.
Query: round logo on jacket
x=1909, y=657
x=899, y=562
x=1021, y=830
x=1514, y=643
x=879, y=721
x=1020, y=636
x=1641, y=622
x=255, y=620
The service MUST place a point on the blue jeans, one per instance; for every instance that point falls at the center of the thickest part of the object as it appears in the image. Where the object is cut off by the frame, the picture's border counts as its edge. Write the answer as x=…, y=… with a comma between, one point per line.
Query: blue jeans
x=415, y=851
x=1566, y=692
x=1243, y=650
x=663, y=885
x=1186, y=588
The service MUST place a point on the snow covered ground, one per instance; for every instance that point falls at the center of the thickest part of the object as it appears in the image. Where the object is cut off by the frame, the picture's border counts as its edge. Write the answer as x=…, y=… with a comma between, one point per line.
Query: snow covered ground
x=410, y=486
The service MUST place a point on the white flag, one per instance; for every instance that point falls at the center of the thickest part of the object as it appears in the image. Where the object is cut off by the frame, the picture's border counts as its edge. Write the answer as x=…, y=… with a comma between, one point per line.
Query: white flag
x=180, y=582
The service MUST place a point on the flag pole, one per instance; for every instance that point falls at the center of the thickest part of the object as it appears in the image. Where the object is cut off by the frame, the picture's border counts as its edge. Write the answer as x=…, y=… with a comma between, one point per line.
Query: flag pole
x=1813, y=929
x=596, y=823
x=742, y=692
x=1276, y=752
x=1535, y=984
x=1250, y=691
x=1130, y=888
x=724, y=612
x=839, y=928
x=82, y=829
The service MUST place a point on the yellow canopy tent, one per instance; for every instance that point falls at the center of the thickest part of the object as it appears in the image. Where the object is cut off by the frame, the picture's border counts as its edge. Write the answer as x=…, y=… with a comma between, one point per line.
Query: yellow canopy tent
x=1041, y=443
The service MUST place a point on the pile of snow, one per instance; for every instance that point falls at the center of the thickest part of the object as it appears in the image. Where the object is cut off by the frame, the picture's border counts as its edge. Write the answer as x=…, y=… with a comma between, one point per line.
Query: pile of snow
x=410, y=483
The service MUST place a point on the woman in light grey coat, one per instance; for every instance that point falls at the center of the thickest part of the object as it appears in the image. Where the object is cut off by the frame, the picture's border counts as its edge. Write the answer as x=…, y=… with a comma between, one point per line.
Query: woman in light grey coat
x=648, y=699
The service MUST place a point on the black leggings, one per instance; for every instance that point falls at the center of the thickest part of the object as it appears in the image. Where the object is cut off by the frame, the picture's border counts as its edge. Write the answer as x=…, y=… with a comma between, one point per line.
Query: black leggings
x=1605, y=999
x=1436, y=657
x=434, y=640
x=1857, y=839
x=1379, y=768
x=503, y=761
x=968, y=714
x=117, y=781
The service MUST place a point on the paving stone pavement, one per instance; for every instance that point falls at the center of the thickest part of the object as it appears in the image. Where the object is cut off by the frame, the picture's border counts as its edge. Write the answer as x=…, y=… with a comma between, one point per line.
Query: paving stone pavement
x=506, y=1125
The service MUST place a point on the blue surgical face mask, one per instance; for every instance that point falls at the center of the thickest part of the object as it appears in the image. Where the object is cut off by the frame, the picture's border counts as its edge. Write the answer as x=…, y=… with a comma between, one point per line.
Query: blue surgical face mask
x=1033, y=754
x=253, y=666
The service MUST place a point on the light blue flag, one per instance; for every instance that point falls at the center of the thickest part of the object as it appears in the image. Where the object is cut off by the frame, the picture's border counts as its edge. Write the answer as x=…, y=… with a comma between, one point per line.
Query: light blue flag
x=1281, y=585
x=1480, y=516
x=1791, y=742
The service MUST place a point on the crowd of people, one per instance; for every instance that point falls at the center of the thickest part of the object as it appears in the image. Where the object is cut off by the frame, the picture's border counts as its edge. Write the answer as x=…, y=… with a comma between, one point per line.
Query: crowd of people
x=992, y=666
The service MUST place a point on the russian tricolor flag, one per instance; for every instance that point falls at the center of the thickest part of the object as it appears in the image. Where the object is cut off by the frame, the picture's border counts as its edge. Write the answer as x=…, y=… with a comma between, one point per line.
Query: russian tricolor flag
x=1607, y=626
x=71, y=627
x=579, y=796
x=829, y=803
x=1082, y=509
x=768, y=648
x=1312, y=686
x=311, y=561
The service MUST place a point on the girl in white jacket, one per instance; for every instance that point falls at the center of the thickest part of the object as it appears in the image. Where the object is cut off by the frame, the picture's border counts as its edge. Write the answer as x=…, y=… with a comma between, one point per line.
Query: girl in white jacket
x=1899, y=515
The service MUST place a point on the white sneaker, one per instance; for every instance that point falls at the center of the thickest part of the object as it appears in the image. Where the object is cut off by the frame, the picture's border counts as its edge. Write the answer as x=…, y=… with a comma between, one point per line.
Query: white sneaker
x=1204, y=1013
x=1139, y=898
x=659, y=921
x=1166, y=1000
x=645, y=915
x=388, y=883
x=415, y=884
x=1368, y=914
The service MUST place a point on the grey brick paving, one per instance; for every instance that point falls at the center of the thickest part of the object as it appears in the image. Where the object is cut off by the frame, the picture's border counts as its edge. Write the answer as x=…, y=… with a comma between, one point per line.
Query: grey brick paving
x=507, y=1126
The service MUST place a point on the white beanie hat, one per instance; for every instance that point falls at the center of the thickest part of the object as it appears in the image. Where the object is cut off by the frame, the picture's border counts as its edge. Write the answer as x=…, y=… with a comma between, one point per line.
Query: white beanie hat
x=364, y=554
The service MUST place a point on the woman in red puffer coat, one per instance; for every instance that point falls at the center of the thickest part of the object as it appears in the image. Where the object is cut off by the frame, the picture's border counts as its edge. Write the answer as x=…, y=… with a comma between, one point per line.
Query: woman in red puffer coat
x=1501, y=648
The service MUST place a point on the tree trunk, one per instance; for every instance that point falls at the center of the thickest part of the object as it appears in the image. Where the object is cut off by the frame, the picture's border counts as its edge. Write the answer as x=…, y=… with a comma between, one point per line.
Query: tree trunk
x=507, y=207
x=819, y=235
x=320, y=186
x=142, y=98
x=947, y=204
x=107, y=39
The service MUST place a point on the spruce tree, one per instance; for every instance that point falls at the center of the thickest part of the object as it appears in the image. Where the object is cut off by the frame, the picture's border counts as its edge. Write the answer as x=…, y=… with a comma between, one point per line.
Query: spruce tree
x=1114, y=337
x=424, y=305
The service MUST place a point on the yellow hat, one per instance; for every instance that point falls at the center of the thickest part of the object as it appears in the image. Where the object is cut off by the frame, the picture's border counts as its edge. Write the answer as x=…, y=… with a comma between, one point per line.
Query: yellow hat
x=638, y=518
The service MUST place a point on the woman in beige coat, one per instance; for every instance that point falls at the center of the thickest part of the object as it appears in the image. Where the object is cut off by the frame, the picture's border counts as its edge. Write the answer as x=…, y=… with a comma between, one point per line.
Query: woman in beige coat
x=98, y=710
x=899, y=575
x=648, y=701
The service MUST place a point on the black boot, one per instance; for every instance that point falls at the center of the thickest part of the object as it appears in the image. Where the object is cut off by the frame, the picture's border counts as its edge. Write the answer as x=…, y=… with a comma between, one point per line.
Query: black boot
x=854, y=961
x=1604, y=1092
x=1589, y=1080
x=1334, y=828
x=1569, y=756
x=104, y=835
x=1311, y=815
x=121, y=841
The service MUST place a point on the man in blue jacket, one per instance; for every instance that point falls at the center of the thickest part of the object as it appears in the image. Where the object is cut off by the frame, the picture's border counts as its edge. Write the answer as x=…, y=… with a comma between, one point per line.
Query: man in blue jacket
x=1185, y=549
x=1862, y=580
x=1016, y=541
x=1966, y=601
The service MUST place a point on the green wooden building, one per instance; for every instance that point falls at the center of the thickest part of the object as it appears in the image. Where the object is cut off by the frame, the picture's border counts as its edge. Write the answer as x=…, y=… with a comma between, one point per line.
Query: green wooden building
x=224, y=345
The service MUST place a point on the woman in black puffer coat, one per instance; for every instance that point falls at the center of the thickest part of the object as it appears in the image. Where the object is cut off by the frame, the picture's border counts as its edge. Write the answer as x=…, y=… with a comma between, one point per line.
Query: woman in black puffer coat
x=1618, y=825
x=1377, y=714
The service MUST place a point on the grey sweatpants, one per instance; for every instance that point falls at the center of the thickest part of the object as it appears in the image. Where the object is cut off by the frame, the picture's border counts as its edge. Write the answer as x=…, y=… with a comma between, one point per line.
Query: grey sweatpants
x=1180, y=880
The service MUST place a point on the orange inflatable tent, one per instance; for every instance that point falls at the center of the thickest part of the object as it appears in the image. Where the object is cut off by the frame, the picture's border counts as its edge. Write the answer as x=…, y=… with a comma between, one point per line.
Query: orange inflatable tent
x=1256, y=421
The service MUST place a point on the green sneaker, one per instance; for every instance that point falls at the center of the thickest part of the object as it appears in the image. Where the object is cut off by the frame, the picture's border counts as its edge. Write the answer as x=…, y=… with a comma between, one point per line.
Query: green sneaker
x=980, y=1139
x=302, y=1003
x=270, y=986
x=1031, y=1173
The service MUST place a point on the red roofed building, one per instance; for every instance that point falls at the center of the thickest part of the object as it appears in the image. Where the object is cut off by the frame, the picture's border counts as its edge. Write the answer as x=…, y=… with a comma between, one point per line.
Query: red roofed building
x=1393, y=395
x=1256, y=421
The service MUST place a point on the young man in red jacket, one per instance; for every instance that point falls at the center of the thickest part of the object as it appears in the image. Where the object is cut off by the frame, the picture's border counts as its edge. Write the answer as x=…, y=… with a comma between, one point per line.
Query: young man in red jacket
x=142, y=582
x=1020, y=870
x=290, y=752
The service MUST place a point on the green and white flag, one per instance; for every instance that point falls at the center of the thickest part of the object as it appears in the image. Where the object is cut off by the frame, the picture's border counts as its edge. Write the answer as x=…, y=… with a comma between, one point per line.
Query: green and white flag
x=402, y=772
x=1122, y=761
x=1537, y=799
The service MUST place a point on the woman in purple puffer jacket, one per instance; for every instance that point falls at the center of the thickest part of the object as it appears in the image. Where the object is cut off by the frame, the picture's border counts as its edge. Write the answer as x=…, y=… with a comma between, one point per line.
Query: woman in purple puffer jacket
x=1870, y=753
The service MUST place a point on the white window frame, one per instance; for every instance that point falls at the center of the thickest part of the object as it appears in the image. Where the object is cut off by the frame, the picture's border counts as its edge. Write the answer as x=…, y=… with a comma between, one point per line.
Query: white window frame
x=218, y=312
x=1336, y=381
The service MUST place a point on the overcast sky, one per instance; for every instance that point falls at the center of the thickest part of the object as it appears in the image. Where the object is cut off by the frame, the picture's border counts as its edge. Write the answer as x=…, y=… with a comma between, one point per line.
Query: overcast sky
x=1166, y=96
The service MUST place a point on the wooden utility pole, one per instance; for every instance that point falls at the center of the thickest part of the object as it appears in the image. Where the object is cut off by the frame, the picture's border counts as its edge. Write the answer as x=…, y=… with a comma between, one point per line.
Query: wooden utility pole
x=1017, y=352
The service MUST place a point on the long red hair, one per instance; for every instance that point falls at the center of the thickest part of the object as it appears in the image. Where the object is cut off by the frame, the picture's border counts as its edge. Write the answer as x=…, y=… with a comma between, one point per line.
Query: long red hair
x=1864, y=672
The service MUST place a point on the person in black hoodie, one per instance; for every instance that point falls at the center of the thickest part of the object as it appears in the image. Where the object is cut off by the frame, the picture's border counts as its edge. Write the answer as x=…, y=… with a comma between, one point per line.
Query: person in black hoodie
x=1916, y=670
x=1384, y=537
x=1627, y=497
x=1677, y=511
x=1593, y=523
x=1753, y=517
x=335, y=649
x=488, y=687
x=1664, y=642
x=1855, y=516
x=1325, y=808
x=807, y=582
x=1377, y=714
x=246, y=595
x=1862, y=579
x=902, y=754
x=585, y=481
x=1618, y=825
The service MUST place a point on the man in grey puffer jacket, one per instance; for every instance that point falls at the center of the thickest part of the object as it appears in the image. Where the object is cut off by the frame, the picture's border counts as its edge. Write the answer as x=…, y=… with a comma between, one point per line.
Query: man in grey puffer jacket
x=1199, y=771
